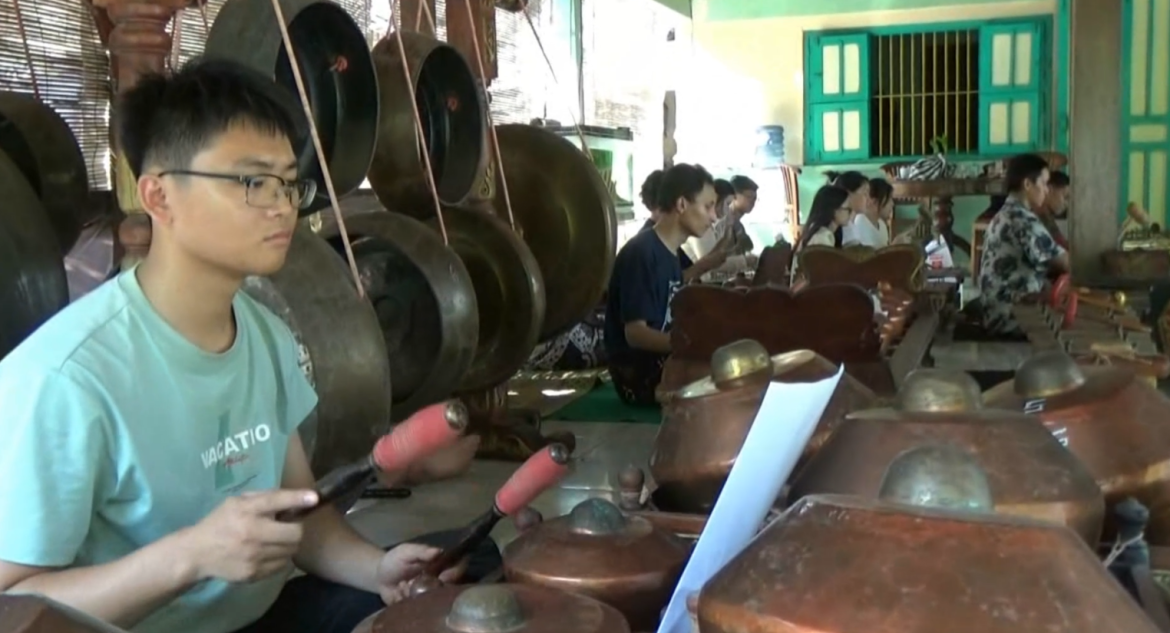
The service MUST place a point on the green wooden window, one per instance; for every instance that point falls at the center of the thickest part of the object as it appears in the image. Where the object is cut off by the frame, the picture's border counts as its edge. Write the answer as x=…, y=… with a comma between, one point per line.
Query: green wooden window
x=888, y=94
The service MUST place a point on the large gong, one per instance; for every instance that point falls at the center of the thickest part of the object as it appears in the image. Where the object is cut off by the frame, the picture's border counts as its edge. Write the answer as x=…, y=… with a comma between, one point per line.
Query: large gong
x=422, y=295
x=32, y=271
x=566, y=216
x=335, y=64
x=509, y=291
x=341, y=350
x=43, y=147
x=451, y=108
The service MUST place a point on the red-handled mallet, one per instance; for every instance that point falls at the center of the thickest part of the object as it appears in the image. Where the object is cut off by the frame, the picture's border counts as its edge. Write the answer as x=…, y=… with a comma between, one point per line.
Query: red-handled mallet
x=541, y=472
x=1062, y=290
x=419, y=436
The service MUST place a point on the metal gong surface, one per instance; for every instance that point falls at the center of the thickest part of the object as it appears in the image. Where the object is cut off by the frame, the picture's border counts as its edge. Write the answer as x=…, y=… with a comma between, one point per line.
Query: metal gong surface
x=565, y=214
x=423, y=296
x=43, y=147
x=453, y=114
x=509, y=293
x=341, y=350
x=33, y=286
x=335, y=64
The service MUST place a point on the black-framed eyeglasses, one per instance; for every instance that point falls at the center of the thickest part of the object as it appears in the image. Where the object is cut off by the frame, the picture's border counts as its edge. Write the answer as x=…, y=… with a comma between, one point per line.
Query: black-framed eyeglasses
x=262, y=191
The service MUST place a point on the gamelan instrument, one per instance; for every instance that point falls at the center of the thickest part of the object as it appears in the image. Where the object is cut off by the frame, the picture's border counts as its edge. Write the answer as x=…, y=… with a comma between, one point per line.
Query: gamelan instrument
x=596, y=550
x=342, y=353
x=926, y=556
x=705, y=423
x=1031, y=474
x=417, y=437
x=497, y=609
x=32, y=273
x=1113, y=421
x=338, y=74
x=42, y=146
x=539, y=473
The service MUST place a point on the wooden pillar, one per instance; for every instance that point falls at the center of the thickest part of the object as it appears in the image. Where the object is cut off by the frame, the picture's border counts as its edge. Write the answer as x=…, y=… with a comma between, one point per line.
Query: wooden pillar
x=139, y=44
x=459, y=35
x=1095, y=133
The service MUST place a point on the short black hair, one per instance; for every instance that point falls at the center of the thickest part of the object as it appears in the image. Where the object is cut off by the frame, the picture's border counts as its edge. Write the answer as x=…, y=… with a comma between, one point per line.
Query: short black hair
x=1058, y=179
x=649, y=193
x=849, y=180
x=682, y=181
x=166, y=121
x=723, y=189
x=743, y=184
x=1023, y=168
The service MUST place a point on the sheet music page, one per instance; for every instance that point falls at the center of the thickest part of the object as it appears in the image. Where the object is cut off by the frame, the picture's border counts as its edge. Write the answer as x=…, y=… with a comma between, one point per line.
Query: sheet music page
x=783, y=426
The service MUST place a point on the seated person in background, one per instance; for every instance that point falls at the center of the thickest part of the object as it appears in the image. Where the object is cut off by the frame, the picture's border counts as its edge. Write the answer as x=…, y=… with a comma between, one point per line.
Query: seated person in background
x=727, y=236
x=857, y=186
x=828, y=214
x=646, y=274
x=694, y=264
x=119, y=497
x=1019, y=254
x=1055, y=205
x=871, y=226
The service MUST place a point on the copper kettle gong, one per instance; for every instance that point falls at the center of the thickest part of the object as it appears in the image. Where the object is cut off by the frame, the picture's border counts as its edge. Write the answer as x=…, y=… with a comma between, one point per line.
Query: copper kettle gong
x=1117, y=425
x=423, y=297
x=1031, y=474
x=497, y=609
x=924, y=558
x=32, y=272
x=705, y=423
x=451, y=107
x=565, y=214
x=341, y=350
x=43, y=147
x=597, y=551
x=338, y=74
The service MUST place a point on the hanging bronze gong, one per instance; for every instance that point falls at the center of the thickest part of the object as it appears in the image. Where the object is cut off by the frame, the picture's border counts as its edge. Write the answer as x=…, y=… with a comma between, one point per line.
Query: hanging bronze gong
x=452, y=110
x=422, y=295
x=43, y=147
x=33, y=286
x=341, y=349
x=566, y=216
x=335, y=64
x=509, y=293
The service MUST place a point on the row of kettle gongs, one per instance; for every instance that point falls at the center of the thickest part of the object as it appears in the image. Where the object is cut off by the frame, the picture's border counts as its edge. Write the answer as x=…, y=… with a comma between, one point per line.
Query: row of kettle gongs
x=455, y=317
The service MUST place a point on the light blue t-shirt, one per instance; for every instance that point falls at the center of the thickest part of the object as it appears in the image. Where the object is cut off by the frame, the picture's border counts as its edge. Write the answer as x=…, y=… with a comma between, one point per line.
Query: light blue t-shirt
x=116, y=431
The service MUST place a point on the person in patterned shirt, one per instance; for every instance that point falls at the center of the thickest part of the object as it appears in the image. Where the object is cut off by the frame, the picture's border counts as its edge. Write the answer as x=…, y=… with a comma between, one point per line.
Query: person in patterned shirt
x=1019, y=253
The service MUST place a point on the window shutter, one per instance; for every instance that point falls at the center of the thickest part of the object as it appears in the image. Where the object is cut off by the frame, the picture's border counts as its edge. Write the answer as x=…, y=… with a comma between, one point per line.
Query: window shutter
x=837, y=107
x=71, y=69
x=1012, y=90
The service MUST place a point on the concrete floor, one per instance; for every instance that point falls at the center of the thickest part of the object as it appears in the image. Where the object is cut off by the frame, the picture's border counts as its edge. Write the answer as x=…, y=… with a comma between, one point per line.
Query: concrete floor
x=603, y=450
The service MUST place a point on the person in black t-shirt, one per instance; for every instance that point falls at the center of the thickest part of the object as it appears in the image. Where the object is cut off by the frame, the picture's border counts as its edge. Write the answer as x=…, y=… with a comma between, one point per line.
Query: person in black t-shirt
x=692, y=270
x=646, y=274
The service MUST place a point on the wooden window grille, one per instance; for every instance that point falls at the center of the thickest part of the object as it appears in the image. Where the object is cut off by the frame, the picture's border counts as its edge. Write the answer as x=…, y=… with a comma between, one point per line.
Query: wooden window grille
x=71, y=69
x=925, y=86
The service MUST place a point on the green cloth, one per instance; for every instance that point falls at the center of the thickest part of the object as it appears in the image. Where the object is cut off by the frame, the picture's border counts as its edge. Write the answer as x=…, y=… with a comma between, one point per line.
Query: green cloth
x=602, y=404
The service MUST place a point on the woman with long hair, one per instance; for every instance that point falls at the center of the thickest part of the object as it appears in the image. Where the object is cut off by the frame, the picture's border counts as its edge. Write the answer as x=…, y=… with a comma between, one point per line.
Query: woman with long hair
x=830, y=211
x=857, y=186
x=871, y=226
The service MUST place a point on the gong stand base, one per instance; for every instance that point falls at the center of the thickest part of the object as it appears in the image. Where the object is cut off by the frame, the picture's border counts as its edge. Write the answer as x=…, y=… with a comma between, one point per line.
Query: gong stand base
x=508, y=435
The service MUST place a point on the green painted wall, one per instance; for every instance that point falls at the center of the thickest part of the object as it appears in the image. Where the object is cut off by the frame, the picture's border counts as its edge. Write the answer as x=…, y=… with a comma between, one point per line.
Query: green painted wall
x=727, y=10
x=680, y=6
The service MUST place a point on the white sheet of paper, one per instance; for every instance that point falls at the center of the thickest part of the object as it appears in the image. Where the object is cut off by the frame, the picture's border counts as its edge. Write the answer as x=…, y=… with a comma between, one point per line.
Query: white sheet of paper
x=783, y=425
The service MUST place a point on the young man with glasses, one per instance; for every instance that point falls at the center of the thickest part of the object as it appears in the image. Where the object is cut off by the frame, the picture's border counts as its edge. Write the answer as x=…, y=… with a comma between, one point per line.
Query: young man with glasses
x=116, y=497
